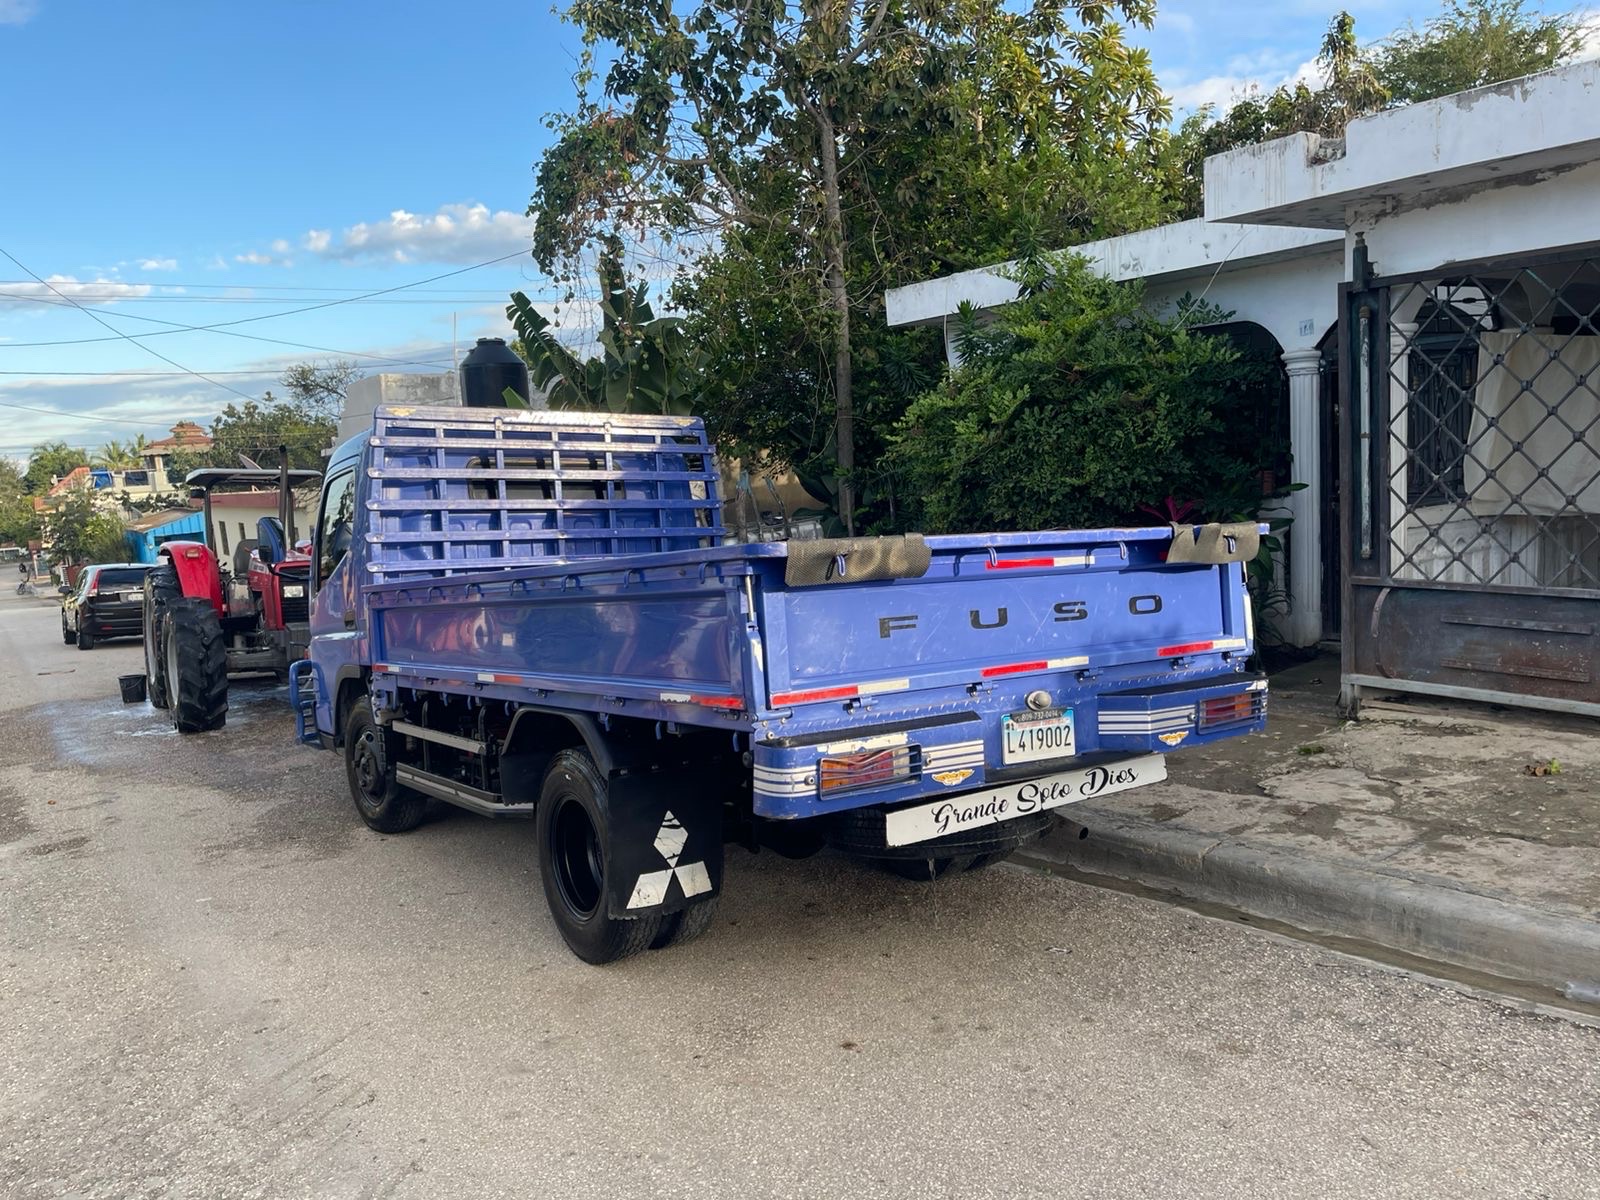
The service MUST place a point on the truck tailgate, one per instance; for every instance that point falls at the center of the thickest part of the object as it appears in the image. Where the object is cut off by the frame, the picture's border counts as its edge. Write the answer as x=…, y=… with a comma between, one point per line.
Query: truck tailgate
x=999, y=606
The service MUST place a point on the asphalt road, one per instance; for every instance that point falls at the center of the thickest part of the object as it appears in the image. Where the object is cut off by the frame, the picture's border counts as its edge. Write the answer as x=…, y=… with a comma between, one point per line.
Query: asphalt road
x=214, y=982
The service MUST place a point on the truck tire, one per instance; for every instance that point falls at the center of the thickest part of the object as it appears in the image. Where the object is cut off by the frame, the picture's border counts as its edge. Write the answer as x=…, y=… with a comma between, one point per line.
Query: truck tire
x=686, y=924
x=196, y=676
x=574, y=857
x=384, y=803
x=160, y=590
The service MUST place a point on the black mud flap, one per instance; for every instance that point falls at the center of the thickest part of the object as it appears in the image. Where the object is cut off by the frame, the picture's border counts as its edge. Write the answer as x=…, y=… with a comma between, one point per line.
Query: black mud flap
x=665, y=835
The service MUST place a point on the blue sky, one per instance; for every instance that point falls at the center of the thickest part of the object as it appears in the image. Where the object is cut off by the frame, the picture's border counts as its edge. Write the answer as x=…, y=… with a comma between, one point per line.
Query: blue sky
x=202, y=162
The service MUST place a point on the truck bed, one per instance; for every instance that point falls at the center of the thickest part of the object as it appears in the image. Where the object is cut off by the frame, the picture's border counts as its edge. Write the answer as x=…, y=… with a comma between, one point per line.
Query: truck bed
x=1131, y=647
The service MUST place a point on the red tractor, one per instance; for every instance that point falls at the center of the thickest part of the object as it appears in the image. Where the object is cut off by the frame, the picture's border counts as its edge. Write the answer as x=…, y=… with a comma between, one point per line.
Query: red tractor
x=205, y=620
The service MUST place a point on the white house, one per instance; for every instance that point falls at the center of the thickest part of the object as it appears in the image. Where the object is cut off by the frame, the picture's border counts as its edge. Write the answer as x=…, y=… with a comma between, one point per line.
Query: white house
x=1432, y=281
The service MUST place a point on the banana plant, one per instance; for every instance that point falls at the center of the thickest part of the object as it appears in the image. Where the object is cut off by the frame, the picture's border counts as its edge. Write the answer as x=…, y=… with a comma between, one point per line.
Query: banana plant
x=646, y=363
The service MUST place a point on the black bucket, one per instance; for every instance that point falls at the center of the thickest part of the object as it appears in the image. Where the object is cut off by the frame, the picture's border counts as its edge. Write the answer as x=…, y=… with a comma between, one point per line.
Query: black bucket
x=132, y=688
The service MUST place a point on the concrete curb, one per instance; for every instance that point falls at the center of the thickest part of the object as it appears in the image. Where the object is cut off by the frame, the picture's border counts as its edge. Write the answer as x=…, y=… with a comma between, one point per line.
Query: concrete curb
x=1421, y=916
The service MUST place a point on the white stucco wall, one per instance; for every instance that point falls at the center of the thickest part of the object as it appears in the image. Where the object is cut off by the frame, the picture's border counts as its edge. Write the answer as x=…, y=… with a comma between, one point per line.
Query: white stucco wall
x=1402, y=158
x=1536, y=216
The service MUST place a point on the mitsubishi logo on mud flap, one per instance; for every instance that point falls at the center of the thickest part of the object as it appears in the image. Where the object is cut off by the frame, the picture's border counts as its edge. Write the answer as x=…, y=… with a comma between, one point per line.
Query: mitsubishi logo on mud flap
x=692, y=877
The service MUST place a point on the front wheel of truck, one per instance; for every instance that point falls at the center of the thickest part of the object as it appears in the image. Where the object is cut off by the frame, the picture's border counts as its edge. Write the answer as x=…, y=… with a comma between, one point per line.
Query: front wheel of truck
x=574, y=860
x=383, y=803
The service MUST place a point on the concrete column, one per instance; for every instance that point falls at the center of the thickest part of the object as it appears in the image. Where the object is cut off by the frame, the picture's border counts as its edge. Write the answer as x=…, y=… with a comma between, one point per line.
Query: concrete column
x=1304, y=624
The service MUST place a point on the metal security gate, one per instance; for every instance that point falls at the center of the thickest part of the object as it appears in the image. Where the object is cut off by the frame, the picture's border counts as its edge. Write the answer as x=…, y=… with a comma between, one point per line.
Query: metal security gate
x=1470, y=426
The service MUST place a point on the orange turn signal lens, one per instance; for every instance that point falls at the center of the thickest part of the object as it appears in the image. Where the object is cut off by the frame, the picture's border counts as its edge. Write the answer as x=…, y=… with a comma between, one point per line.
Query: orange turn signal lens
x=865, y=768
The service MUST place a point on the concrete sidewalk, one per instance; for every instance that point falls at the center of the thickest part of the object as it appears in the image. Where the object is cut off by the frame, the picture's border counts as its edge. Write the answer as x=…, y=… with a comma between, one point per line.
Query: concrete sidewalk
x=1461, y=837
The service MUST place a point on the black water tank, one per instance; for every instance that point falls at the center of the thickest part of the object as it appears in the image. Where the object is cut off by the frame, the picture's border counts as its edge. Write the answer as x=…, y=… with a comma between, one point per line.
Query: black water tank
x=488, y=371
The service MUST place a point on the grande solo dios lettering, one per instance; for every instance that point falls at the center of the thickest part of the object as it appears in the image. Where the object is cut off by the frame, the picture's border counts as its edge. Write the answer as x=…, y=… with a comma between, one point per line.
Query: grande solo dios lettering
x=1031, y=797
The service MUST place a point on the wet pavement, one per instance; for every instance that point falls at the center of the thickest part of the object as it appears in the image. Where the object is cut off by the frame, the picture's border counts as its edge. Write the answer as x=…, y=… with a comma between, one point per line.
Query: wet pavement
x=215, y=982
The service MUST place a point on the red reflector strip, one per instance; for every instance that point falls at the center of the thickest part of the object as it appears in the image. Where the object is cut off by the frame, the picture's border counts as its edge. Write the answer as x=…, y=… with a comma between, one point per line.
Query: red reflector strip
x=782, y=699
x=488, y=677
x=1014, y=668
x=1045, y=562
x=718, y=701
x=1047, y=664
x=1186, y=648
x=379, y=668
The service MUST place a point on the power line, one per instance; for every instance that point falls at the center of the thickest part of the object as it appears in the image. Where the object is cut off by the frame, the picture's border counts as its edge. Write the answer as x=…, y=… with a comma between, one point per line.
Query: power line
x=180, y=327
x=274, y=372
x=93, y=316
x=247, y=320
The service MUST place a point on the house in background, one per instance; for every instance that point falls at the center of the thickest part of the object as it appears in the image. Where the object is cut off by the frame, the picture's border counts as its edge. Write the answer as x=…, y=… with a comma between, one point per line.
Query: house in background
x=186, y=435
x=1432, y=283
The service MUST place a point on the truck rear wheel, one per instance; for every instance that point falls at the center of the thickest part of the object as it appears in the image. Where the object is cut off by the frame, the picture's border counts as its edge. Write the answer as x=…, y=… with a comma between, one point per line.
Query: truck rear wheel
x=574, y=859
x=196, y=677
x=160, y=590
x=384, y=803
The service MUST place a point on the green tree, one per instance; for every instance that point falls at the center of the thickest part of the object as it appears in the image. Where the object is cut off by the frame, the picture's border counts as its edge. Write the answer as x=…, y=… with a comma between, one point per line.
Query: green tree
x=121, y=456
x=319, y=388
x=50, y=459
x=1473, y=43
x=79, y=532
x=254, y=430
x=18, y=522
x=768, y=128
x=1079, y=408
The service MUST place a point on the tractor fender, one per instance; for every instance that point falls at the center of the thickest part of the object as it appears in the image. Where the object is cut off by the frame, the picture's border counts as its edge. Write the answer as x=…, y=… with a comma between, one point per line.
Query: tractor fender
x=198, y=575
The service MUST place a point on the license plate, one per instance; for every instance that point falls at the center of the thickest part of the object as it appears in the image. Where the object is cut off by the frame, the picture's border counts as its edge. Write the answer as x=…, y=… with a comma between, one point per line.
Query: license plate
x=1036, y=736
x=973, y=810
x=134, y=597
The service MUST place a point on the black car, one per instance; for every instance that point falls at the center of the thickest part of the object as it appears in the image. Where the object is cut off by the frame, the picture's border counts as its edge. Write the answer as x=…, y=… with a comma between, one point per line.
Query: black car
x=108, y=602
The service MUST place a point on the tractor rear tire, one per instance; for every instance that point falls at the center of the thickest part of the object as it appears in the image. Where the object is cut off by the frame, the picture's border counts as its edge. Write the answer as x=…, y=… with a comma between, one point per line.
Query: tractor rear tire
x=160, y=590
x=196, y=666
x=385, y=804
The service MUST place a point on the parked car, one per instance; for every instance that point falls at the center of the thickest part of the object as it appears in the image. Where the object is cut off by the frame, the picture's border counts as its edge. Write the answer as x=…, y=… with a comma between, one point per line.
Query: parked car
x=107, y=602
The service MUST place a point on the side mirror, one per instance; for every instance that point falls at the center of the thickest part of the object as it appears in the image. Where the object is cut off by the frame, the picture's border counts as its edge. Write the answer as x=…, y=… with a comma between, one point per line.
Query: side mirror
x=65, y=590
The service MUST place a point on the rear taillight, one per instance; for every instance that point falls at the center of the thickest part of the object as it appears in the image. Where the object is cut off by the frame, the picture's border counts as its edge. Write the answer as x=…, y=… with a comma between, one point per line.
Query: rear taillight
x=1229, y=710
x=866, y=768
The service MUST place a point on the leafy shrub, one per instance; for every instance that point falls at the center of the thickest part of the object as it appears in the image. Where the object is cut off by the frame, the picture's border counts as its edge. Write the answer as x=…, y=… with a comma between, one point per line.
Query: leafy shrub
x=1078, y=407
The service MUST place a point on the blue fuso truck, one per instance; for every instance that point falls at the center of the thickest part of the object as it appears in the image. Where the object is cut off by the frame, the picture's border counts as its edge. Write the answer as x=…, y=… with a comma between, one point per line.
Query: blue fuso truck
x=533, y=614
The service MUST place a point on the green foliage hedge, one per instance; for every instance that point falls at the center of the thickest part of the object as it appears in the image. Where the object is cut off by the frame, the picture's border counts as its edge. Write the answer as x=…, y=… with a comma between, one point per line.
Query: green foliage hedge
x=1078, y=408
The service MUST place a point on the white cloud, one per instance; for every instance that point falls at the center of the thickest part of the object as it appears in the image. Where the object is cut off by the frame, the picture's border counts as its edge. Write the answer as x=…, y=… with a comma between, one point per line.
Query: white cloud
x=1182, y=22
x=59, y=289
x=158, y=264
x=17, y=12
x=254, y=258
x=1246, y=76
x=280, y=246
x=456, y=233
